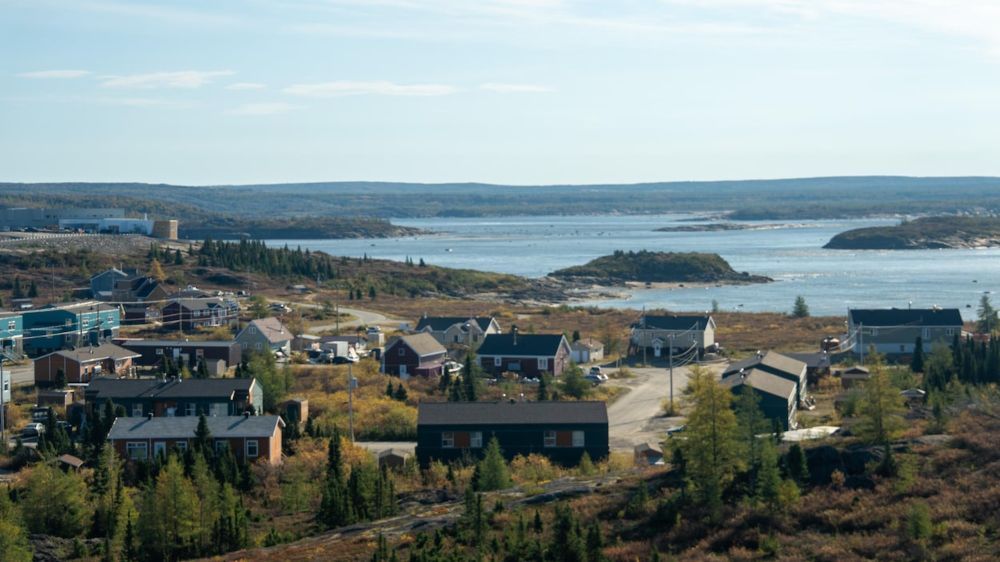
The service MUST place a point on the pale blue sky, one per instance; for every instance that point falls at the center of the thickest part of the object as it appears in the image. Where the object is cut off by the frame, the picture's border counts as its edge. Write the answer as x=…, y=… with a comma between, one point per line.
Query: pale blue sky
x=506, y=91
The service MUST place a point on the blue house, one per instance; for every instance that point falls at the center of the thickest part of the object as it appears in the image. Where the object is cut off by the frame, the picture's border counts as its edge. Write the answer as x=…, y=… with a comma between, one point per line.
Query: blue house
x=65, y=326
x=11, y=332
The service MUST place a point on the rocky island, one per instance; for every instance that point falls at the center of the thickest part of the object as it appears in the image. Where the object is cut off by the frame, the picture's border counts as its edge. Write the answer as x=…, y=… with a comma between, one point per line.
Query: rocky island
x=657, y=267
x=718, y=227
x=927, y=233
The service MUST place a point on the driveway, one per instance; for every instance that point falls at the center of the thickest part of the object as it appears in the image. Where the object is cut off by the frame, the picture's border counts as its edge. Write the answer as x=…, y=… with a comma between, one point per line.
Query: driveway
x=636, y=416
x=361, y=317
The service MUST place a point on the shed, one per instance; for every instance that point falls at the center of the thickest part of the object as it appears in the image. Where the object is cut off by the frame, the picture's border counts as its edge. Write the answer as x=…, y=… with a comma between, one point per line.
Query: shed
x=59, y=398
x=587, y=350
x=393, y=459
x=69, y=462
x=295, y=410
x=853, y=375
x=648, y=454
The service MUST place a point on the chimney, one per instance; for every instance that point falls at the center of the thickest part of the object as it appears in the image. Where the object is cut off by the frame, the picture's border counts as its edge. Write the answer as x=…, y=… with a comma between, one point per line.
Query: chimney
x=514, y=332
x=246, y=415
x=149, y=416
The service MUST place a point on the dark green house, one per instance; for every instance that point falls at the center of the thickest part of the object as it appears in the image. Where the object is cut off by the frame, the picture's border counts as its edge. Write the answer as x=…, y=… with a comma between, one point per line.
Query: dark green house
x=777, y=395
x=562, y=431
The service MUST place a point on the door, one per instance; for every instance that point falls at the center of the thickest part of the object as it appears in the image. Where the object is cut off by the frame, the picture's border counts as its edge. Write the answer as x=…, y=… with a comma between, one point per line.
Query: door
x=657, y=348
x=159, y=448
x=403, y=374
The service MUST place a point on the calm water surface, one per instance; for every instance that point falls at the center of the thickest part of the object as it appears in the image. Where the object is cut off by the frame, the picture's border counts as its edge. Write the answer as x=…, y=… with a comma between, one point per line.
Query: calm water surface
x=792, y=254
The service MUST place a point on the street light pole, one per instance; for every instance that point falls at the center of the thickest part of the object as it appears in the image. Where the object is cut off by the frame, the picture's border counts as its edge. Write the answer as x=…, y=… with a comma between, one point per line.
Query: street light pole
x=350, y=400
x=670, y=354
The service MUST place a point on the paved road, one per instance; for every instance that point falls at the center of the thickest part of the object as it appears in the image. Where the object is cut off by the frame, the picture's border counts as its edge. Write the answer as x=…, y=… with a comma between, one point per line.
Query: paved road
x=20, y=375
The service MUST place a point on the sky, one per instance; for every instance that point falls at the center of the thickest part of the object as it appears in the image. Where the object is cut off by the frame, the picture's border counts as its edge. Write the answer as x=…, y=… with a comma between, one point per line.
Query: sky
x=502, y=91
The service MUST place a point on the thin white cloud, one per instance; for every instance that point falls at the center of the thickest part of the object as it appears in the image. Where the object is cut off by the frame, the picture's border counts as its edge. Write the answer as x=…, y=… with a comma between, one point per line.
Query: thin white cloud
x=270, y=108
x=54, y=74
x=246, y=86
x=179, y=79
x=375, y=87
x=507, y=88
x=142, y=102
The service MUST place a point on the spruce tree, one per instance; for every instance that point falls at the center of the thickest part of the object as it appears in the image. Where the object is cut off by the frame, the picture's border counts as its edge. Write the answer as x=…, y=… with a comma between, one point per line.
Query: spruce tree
x=493, y=473
x=796, y=464
x=917, y=362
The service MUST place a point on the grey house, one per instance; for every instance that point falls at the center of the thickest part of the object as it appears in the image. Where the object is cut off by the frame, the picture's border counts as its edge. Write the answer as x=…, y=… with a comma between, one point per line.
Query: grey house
x=776, y=394
x=777, y=364
x=102, y=285
x=656, y=334
x=451, y=330
x=265, y=334
x=894, y=331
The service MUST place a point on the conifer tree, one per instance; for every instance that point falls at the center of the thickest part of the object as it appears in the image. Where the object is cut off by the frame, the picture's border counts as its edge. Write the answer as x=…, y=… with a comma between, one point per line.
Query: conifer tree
x=493, y=473
x=917, y=362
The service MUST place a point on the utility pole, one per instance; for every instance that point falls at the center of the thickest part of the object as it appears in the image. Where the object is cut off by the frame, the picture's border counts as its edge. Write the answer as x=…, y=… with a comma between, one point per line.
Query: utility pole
x=336, y=314
x=4, y=385
x=861, y=342
x=670, y=354
x=350, y=399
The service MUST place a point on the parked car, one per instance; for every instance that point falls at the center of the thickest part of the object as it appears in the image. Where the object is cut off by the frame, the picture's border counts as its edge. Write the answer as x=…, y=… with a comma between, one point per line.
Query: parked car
x=596, y=379
x=453, y=367
x=33, y=429
x=342, y=360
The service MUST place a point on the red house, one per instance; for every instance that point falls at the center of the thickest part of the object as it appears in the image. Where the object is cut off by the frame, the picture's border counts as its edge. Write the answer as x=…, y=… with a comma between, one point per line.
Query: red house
x=416, y=354
x=250, y=438
x=529, y=355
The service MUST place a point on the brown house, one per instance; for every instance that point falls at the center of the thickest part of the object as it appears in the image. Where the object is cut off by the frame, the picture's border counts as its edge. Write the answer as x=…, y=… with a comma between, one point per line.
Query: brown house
x=153, y=353
x=189, y=314
x=416, y=354
x=528, y=355
x=250, y=438
x=82, y=364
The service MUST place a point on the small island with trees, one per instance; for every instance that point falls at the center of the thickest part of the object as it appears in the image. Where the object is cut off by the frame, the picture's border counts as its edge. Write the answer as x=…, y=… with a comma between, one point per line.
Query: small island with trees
x=927, y=233
x=658, y=267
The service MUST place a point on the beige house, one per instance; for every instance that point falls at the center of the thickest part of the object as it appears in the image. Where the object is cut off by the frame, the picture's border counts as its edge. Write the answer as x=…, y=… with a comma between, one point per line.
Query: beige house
x=587, y=350
x=657, y=334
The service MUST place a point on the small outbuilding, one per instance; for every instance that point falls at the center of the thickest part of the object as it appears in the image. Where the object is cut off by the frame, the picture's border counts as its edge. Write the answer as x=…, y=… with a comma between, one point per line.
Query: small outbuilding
x=648, y=454
x=587, y=351
x=393, y=459
x=853, y=375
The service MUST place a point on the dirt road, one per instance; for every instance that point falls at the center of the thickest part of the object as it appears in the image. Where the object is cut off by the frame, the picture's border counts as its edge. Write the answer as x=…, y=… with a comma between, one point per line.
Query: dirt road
x=636, y=417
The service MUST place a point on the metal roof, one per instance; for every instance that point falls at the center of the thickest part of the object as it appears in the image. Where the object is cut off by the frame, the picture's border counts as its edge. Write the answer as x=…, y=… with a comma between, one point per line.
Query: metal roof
x=675, y=322
x=898, y=317
x=422, y=344
x=271, y=328
x=521, y=345
x=183, y=427
x=106, y=387
x=90, y=354
x=511, y=413
x=763, y=381
x=442, y=323
x=770, y=360
x=174, y=343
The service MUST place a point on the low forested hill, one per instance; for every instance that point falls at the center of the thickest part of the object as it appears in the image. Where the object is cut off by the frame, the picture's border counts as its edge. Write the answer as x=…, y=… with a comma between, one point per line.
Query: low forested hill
x=922, y=234
x=658, y=267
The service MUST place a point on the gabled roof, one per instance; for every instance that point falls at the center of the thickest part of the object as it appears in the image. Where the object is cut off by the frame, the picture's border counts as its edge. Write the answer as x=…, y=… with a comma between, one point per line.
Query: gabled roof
x=174, y=343
x=442, y=323
x=675, y=322
x=422, y=344
x=763, y=381
x=511, y=413
x=815, y=360
x=521, y=345
x=769, y=361
x=183, y=427
x=128, y=272
x=588, y=344
x=885, y=317
x=90, y=354
x=271, y=328
x=198, y=303
x=106, y=387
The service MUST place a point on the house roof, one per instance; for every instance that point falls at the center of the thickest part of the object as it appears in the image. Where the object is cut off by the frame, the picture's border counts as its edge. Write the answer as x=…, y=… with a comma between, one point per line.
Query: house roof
x=521, y=345
x=763, y=381
x=588, y=343
x=174, y=343
x=182, y=427
x=422, y=344
x=816, y=360
x=442, y=323
x=90, y=354
x=106, y=387
x=70, y=460
x=198, y=303
x=116, y=272
x=510, y=413
x=272, y=329
x=772, y=360
x=906, y=317
x=675, y=322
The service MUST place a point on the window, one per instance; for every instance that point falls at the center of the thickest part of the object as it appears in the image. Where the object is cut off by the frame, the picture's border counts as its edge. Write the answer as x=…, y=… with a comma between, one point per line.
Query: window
x=252, y=449
x=543, y=364
x=458, y=338
x=137, y=450
x=402, y=351
x=476, y=439
x=221, y=445
x=181, y=446
x=190, y=409
x=159, y=351
x=12, y=325
x=949, y=332
x=550, y=439
x=927, y=333
x=578, y=439
x=219, y=410
x=253, y=330
x=159, y=448
x=497, y=361
x=447, y=440
x=137, y=410
x=258, y=346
